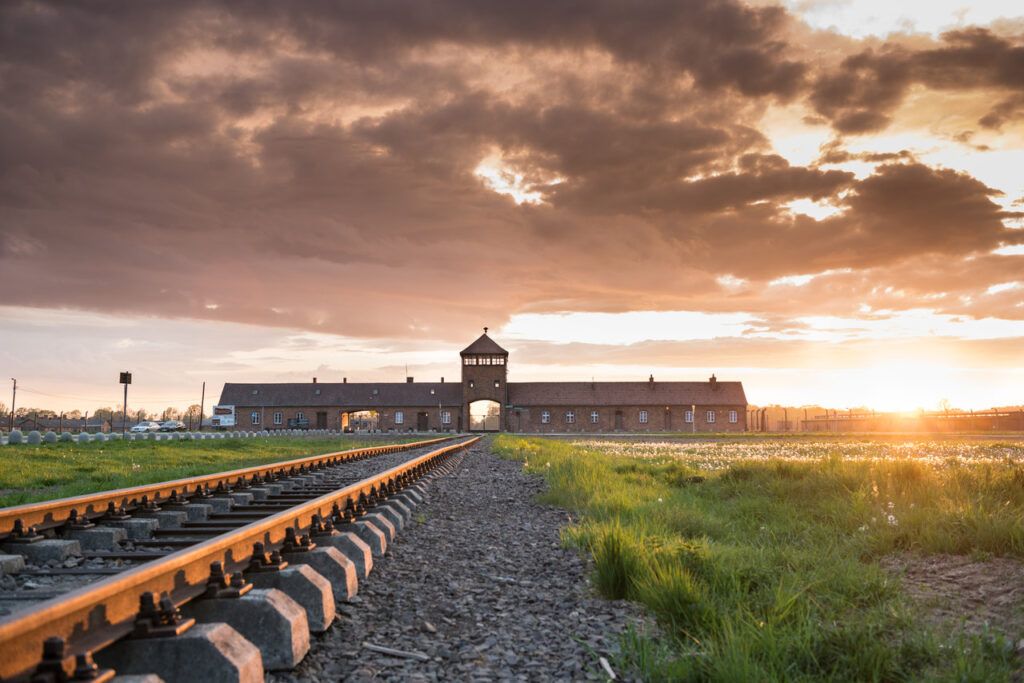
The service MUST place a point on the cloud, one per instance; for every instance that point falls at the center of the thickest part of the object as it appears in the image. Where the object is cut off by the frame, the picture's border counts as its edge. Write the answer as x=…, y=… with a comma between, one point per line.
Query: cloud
x=314, y=167
x=860, y=95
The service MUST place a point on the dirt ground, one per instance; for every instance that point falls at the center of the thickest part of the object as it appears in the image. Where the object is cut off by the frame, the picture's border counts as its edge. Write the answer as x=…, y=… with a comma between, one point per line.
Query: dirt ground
x=955, y=590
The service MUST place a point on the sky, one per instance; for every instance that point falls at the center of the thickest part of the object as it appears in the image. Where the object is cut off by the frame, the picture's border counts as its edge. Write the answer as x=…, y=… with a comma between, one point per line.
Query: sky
x=820, y=198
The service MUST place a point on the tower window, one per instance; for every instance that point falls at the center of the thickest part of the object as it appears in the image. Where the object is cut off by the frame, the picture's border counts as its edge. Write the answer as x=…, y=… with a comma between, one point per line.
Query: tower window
x=472, y=384
x=497, y=384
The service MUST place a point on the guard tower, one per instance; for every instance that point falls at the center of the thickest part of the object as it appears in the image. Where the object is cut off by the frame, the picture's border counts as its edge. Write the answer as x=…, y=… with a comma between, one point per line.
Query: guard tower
x=484, y=388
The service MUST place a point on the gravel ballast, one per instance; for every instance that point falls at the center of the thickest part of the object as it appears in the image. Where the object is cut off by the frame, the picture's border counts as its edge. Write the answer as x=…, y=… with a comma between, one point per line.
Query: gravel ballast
x=477, y=587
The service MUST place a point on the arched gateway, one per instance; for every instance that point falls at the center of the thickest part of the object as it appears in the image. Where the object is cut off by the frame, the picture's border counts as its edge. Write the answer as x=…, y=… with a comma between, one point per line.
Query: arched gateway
x=484, y=391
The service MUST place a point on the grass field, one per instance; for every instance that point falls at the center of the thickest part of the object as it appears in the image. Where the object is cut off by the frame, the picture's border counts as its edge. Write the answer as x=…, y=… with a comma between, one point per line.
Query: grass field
x=761, y=560
x=33, y=473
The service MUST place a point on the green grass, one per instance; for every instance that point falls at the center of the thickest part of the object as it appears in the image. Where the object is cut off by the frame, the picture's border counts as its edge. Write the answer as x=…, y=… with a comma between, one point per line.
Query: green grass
x=44, y=472
x=766, y=569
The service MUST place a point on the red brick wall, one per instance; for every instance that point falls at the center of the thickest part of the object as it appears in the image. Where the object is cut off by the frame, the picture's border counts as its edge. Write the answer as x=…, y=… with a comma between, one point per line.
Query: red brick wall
x=529, y=419
x=386, y=417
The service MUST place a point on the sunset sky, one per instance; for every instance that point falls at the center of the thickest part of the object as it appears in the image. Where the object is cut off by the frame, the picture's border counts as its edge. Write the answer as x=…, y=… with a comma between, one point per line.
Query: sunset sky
x=821, y=198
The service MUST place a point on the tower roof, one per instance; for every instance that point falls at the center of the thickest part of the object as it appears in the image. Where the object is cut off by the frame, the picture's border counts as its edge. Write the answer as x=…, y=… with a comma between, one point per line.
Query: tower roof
x=484, y=345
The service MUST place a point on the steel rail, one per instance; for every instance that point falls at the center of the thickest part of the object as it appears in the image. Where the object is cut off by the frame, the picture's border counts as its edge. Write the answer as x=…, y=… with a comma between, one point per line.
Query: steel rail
x=54, y=513
x=101, y=613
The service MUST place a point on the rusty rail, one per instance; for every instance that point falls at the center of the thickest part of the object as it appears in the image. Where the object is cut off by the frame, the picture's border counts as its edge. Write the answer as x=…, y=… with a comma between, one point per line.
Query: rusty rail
x=54, y=513
x=97, y=615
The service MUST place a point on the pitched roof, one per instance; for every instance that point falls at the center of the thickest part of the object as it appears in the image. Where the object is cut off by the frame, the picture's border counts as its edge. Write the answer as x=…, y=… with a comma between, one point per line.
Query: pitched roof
x=361, y=396
x=626, y=393
x=483, y=345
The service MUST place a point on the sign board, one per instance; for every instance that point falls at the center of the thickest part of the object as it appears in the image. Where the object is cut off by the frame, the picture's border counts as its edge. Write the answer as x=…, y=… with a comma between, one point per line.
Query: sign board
x=126, y=378
x=223, y=416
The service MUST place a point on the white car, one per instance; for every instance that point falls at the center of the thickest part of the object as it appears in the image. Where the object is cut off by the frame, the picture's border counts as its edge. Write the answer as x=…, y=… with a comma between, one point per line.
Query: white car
x=146, y=427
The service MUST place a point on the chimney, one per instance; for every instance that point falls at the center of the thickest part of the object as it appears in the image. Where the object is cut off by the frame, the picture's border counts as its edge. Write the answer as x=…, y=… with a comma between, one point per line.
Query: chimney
x=713, y=381
x=314, y=380
x=344, y=380
x=442, y=380
x=408, y=380
x=651, y=380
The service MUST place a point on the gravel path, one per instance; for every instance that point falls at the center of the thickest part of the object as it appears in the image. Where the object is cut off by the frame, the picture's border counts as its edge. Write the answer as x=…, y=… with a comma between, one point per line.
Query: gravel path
x=481, y=585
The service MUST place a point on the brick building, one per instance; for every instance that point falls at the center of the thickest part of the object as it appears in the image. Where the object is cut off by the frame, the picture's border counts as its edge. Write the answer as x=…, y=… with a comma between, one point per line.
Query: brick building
x=485, y=401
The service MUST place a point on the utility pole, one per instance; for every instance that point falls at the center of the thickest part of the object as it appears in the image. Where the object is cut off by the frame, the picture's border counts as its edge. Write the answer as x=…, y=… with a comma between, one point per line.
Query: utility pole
x=126, y=379
x=14, y=395
x=202, y=402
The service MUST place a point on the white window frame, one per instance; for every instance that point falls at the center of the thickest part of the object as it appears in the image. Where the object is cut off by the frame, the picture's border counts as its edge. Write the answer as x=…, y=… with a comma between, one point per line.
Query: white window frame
x=733, y=417
x=710, y=417
x=595, y=417
x=300, y=416
x=570, y=417
x=446, y=417
x=545, y=417
x=278, y=417
x=688, y=417
x=399, y=417
x=643, y=417
x=254, y=417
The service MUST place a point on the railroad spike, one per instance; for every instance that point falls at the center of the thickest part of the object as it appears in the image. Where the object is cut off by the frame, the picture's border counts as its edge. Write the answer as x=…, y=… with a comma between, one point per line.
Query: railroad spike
x=87, y=670
x=51, y=666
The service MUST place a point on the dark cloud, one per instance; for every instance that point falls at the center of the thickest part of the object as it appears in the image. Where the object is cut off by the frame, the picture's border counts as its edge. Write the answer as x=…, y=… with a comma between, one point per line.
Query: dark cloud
x=860, y=95
x=314, y=165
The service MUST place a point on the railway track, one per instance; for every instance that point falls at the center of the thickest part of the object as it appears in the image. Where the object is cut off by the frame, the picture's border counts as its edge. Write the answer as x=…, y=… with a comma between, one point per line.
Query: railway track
x=217, y=577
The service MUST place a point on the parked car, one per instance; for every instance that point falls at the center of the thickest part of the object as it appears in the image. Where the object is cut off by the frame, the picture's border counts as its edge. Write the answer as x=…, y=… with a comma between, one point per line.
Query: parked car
x=146, y=426
x=172, y=426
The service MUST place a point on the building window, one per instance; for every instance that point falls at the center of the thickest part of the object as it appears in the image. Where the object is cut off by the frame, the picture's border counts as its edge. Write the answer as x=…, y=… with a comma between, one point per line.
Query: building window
x=688, y=416
x=255, y=417
x=711, y=416
x=570, y=416
x=499, y=360
x=472, y=384
x=278, y=418
x=432, y=392
x=399, y=417
x=469, y=361
x=733, y=417
x=497, y=384
x=545, y=416
x=316, y=391
x=300, y=416
x=446, y=417
x=643, y=417
x=594, y=417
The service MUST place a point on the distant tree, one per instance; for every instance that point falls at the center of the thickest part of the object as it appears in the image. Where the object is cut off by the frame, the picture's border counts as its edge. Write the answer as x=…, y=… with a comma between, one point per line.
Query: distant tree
x=73, y=415
x=104, y=413
x=141, y=415
x=3, y=408
x=193, y=412
x=945, y=405
x=170, y=414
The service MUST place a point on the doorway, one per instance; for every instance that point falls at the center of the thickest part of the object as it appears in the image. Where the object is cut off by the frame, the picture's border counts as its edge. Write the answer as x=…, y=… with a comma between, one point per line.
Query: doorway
x=321, y=420
x=422, y=422
x=618, y=420
x=484, y=416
